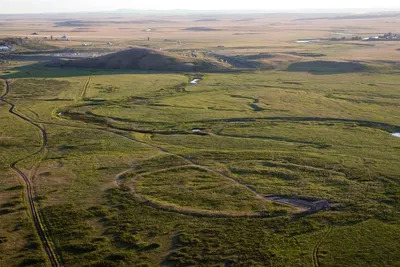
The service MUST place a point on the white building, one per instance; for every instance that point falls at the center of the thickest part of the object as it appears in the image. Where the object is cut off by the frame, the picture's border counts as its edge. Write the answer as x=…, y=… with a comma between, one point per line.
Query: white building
x=4, y=48
x=64, y=38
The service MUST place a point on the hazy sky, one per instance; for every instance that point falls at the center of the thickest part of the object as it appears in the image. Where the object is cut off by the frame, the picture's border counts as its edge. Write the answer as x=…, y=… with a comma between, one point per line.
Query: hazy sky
x=40, y=6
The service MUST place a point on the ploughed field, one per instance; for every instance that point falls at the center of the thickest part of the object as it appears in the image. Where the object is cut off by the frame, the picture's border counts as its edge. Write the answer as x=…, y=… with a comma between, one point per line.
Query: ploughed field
x=148, y=169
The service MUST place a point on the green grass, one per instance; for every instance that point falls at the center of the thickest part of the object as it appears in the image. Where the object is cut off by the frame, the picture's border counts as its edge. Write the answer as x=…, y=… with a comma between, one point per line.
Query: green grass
x=19, y=245
x=313, y=136
x=371, y=243
x=194, y=188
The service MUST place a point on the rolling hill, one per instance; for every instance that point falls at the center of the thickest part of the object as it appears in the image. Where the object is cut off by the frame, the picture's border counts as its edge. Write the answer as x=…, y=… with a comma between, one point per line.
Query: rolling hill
x=144, y=59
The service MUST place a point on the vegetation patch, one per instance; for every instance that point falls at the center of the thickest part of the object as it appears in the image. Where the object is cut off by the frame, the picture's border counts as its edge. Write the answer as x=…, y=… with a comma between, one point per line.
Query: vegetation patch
x=44, y=88
x=201, y=29
x=327, y=67
x=195, y=188
x=307, y=54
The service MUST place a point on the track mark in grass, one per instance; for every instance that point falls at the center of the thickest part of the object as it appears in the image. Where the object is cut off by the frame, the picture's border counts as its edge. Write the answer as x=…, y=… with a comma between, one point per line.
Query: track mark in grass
x=317, y=245
x=189, y=162
x=85, y=87
x=199, y=212
x=35, y=212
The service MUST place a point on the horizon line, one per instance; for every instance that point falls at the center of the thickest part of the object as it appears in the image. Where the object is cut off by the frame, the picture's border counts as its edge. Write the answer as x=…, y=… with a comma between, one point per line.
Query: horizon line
x=216, y=11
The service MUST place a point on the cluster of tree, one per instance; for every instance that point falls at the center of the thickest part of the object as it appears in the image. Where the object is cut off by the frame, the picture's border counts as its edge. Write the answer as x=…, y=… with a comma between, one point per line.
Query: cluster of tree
x=11, y=41
x=389, y=36
x=353, y=38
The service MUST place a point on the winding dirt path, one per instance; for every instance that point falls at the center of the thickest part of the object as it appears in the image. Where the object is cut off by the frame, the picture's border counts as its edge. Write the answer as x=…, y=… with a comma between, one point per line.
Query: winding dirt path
x=185, y=210
x=35, y=212
x=317, y=245
x=193, y=164
x=189, y=161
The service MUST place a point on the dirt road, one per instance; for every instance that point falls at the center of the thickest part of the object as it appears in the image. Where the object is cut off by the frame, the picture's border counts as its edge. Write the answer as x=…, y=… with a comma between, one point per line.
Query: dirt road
x=315, y=259
x=34, y=211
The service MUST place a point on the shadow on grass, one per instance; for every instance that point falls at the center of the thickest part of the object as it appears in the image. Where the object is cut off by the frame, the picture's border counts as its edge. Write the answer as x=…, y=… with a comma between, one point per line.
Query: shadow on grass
x=40, y=70
x=327, y=67
x=377, y=125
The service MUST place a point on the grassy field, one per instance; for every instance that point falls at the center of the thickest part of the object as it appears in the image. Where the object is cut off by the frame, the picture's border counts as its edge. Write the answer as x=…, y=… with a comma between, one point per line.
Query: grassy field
x=18, y=240
x=144, y=168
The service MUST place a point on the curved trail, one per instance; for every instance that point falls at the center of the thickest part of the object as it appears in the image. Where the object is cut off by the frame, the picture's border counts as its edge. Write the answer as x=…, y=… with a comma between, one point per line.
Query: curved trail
x=48, y=246
x=165, y=151
x=191, y=212
x=172, y=208
x=190, y=163
x=317, y=245
x=120, y=133
x=193, y=165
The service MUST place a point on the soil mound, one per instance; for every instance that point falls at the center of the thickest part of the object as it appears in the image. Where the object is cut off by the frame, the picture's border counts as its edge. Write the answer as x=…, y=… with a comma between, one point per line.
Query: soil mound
x=201, y=29
x=141, y=59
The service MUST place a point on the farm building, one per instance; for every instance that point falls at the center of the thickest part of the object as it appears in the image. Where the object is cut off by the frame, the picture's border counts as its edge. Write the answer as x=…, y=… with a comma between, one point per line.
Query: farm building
x=64, y=38
x=4, y=48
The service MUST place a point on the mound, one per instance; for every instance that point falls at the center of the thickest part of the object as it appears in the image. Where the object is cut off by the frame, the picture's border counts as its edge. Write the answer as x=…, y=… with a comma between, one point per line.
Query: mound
x=207, y=20
x=326, y=67
x=259, y=61
x=201, y=29
x=307, y=54
x=141, y=59
x=72, y=23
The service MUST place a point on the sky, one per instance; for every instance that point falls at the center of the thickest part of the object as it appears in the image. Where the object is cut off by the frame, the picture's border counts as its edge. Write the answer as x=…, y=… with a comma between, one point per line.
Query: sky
x=45, y=6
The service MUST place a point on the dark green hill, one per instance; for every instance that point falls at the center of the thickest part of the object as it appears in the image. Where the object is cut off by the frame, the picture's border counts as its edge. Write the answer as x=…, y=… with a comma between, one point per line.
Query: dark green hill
x=143, y=59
